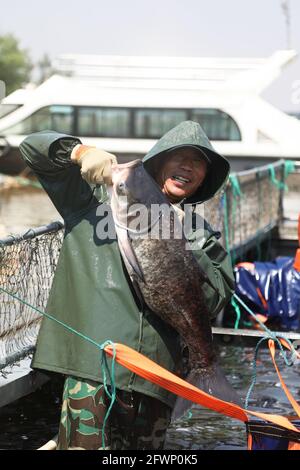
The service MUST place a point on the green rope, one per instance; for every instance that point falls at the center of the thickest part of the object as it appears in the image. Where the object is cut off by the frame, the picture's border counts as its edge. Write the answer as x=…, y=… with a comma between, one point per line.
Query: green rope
x=289, y=167
x=27, y=182
x=278, y=184
x=260, y=208
x=226, y=231
x=254, y=364
x=269, y=332
x=227, y=244
x=237, y=312
x=237, y=194
x=254, y=374
x=236, y=189
x=226, y=225
x=111, y=395
x=104, y=363
x=269, y=335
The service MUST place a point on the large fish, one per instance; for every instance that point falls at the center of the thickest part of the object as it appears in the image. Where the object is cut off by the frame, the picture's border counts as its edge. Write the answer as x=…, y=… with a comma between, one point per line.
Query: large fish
x=155, y=253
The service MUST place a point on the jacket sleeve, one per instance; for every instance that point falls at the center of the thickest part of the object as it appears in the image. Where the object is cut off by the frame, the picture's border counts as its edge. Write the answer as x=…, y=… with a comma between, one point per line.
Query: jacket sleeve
x=48, y=153
x=216, y=263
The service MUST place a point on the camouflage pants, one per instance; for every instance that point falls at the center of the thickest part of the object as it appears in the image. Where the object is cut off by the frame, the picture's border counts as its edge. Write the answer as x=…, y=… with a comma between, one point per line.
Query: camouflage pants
x=136, y=421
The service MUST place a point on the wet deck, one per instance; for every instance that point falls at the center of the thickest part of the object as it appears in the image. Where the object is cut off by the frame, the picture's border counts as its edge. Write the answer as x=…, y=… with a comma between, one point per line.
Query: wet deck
x=19, y=380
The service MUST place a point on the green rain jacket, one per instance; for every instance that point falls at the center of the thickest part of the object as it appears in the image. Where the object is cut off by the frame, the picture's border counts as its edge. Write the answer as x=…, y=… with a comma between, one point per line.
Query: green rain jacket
x=91, y=291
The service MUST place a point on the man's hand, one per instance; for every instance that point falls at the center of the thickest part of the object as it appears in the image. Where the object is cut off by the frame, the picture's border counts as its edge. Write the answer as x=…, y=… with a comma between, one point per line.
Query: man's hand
x=95, y=163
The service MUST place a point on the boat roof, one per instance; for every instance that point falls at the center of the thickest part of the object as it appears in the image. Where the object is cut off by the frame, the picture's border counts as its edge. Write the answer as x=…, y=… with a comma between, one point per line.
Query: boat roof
x=19, y=96
x=199, y=73
x=154, y=81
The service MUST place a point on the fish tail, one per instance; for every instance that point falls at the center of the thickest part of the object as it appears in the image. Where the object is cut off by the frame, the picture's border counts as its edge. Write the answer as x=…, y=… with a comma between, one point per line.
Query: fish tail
x=210, y=380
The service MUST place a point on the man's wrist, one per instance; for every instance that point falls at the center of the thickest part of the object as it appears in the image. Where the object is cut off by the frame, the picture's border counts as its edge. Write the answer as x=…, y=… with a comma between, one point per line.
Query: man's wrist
x=78, y=152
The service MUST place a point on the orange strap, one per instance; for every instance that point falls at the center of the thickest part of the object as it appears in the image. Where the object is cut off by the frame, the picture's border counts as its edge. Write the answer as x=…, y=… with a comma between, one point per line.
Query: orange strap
x=249, y=441
x=290, y=397
x=296, y=264
x=246, y=265
x=151, y=371
x=297, y=257
x=286, y=345
x=262, y=299
x=294, y=446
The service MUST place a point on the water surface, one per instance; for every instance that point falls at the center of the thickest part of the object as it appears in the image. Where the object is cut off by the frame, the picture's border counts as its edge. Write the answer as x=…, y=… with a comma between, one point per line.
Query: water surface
x=29, y=422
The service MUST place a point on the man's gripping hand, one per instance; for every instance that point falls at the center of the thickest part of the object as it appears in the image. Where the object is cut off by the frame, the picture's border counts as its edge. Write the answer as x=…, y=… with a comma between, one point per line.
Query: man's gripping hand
x=95, y=163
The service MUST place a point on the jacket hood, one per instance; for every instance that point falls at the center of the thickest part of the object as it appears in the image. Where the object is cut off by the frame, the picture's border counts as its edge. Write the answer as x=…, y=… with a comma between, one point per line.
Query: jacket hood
x=191, y=134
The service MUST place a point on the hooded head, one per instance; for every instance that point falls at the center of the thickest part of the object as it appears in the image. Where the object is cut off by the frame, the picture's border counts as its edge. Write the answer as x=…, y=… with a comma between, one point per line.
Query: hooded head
x=190, y=134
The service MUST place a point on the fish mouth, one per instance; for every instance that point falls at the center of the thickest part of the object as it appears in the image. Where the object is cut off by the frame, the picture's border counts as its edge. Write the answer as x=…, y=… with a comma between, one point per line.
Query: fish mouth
x=181, y=179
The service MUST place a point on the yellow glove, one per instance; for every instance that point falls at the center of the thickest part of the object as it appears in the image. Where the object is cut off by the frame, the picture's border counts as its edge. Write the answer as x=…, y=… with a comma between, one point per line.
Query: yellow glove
x=95, y=163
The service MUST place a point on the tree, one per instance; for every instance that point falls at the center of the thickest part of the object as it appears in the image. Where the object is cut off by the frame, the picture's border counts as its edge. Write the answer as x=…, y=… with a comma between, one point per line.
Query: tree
x=15, y=64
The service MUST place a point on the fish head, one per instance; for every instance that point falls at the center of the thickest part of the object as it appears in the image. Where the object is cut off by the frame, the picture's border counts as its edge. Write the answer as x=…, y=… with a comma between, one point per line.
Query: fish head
x=131, y=180
x=123, y=180
x=134, y=193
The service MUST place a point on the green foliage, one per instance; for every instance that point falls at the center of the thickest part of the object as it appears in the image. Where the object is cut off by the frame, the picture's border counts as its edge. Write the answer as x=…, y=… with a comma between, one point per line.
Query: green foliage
x=15, y=64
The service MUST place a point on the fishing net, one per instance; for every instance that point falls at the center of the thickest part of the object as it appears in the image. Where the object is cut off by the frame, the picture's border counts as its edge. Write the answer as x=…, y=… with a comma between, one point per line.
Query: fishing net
x=250, y=206
x=27, y=265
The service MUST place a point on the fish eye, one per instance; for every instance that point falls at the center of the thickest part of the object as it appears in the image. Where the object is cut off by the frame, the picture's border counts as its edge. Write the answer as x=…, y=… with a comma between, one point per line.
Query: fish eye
x=121, y=186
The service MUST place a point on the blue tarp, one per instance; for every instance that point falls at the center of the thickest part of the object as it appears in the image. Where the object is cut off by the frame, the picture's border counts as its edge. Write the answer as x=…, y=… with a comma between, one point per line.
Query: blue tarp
x=278, y=283
x=267, y=436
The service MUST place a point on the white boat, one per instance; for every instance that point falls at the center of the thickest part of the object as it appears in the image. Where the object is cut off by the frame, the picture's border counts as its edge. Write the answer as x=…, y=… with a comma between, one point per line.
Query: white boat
x=124, y=104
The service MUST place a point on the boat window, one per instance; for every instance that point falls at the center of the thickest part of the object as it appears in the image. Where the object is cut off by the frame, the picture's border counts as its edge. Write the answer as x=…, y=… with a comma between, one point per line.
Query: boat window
x=57, y=118
x=103, y=122
x=216, y=124
x=153, y=123
x=6, y=108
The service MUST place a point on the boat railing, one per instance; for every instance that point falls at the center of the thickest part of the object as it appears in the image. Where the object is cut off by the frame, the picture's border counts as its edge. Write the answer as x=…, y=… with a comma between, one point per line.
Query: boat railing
x=253, y=205
x=245, y=212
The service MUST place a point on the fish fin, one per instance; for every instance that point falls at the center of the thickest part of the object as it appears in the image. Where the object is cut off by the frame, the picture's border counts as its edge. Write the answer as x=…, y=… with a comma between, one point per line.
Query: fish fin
x=211, y=381
x=128, y=254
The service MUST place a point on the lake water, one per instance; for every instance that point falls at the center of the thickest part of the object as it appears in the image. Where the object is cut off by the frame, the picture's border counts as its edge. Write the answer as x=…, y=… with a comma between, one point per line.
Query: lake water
x=31, y=421
x=23, y=208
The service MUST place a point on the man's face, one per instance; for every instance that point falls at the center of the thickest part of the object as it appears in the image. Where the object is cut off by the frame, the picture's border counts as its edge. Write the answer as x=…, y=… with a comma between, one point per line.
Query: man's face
x=181, y=173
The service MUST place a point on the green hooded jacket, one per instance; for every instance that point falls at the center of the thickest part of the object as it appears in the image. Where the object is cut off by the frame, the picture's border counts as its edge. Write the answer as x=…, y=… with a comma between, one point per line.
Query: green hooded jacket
x=91, y=291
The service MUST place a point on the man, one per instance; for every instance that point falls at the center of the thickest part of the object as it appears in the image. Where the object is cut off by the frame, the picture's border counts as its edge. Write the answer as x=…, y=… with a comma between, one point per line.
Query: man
x=92, y=293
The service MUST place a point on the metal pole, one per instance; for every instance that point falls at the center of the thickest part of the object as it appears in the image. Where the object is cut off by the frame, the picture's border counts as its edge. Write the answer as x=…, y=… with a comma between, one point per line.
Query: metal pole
x=285, y=5
x=32, y=233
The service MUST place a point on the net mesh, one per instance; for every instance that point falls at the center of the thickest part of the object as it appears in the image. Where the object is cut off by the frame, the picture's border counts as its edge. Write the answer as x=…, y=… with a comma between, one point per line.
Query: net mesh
x=250, y=205
x=27, y=266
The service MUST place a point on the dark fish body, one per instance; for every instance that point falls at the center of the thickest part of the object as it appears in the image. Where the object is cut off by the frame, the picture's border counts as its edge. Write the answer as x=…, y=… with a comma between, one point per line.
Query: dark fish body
x=167, y=273
x=173, y=290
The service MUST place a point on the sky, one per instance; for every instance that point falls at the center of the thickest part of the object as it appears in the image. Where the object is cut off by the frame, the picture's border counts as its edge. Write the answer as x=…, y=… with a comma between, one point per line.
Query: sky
x=194, y=28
